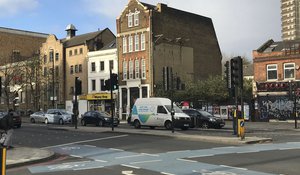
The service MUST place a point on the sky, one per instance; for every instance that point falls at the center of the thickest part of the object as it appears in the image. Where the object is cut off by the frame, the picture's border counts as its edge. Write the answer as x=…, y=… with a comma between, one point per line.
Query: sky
x=241, y=25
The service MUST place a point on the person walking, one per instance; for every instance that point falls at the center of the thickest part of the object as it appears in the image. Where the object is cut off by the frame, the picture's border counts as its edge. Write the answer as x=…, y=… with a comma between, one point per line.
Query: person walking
x=9, y=129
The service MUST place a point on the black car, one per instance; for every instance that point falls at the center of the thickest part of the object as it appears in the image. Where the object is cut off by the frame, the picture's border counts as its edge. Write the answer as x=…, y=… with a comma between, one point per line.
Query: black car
x=204, y=119
x=98, y=118
x=16, y=118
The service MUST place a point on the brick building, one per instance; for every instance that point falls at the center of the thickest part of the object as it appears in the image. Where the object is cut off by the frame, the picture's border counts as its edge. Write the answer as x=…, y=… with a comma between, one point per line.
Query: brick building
x=68, y=58
x=276, y=72
x=152, y=37
x=17, y=48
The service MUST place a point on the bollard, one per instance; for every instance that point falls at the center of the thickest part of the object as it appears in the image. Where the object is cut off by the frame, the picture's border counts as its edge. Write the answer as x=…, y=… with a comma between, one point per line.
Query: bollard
x=241, y=128
x=3, y=161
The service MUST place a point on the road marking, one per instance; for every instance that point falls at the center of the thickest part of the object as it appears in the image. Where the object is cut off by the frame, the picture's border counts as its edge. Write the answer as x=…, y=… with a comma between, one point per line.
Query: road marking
x=76, y=156
x=87, y=168
x=247, y=151
x=130, y=166
x=115, y=149
x=92, y=146
x=166, y=173
x=147, y=161
x=153, y=155
x=204, y=155
x=186, y=160
x=122, y=157
x=171, y=152
x=226, y=166
x=103, y=161
x=84, y=141
x=127, y=172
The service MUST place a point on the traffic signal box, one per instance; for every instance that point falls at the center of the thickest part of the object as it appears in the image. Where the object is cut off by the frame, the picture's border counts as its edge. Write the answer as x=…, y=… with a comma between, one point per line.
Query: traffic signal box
x=236, y=65
x=112, y=83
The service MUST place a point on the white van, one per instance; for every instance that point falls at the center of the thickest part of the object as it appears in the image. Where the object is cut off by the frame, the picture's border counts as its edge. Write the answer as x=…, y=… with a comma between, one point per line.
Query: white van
x=155, y=112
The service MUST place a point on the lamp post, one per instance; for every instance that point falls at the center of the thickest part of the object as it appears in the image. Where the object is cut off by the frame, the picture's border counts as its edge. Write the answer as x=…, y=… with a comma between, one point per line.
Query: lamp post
x=53, y=83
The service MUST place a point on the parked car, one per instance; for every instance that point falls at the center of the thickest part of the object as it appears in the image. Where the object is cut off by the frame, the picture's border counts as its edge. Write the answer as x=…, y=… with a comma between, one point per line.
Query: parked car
x=37, y=117
x=59, y=116
x=204, y=119
x=98, y=118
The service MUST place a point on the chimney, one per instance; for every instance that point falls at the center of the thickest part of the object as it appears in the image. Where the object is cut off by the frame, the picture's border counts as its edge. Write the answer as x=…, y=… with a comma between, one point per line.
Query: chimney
x=71, y=31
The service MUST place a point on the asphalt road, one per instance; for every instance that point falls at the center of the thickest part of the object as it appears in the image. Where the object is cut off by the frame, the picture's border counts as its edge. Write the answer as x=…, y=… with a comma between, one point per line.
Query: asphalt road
x=81, y=153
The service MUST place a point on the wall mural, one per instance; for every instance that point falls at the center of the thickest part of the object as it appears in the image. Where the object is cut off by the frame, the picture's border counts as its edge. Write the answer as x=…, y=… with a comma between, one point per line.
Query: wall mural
x=275, y=107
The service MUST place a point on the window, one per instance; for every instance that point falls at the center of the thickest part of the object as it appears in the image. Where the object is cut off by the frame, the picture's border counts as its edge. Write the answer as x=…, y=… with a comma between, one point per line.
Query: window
x=51, y=56
x=93, y=85
x=80, y=51
x=101, y=65
x=124, y=44
x=143, y=46
x=56, y=56
x=130, y=69
x=56, y=71
x=80, y=68
x=45, y=59
x=136, y=18
x=93, y=66
x=45, y=71
x=70, y=53
x=137, y=42
x=124, y=70
x=161, y=110
x=76, y=68
x=75, y=52
x=130, y=19
x=111, y=64
x=102, y=84
x=137, y=69
x=143, y=69
x=289, y=70
x=272, y=72
x=71, y=70
x=130, y=44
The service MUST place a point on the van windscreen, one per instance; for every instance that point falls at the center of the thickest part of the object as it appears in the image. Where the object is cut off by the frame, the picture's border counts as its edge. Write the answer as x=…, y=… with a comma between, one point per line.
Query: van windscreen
x=176, y=108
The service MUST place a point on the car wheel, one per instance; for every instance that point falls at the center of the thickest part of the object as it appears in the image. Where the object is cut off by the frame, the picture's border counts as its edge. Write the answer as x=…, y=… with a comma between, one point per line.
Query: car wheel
x=168, y=125
x=137, y=124
x=83, y=123
x=19, y=126
x=60, y=121
x=100, y=123
x=46, y=121
x=204, y=125
x=152, y=127
x=32, y=120
x=184, y=128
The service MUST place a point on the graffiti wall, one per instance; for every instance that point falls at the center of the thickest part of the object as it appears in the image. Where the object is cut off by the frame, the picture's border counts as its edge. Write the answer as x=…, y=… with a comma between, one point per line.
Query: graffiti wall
x=275, y=107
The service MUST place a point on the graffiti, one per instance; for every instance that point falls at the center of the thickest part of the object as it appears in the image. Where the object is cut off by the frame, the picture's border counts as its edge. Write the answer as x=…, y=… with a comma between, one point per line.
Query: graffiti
x=275, y=107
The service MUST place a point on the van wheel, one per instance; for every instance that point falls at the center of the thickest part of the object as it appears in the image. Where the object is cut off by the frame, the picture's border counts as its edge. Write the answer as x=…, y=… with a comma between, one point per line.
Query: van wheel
x=137, y=124
x=168, y=125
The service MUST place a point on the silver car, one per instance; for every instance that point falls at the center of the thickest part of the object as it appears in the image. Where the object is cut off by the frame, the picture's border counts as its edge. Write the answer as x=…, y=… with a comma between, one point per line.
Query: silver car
x=59, y=116
x=37, y=117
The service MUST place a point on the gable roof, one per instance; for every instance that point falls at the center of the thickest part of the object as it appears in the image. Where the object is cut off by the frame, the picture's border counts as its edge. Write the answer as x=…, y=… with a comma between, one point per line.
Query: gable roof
x=80, y=39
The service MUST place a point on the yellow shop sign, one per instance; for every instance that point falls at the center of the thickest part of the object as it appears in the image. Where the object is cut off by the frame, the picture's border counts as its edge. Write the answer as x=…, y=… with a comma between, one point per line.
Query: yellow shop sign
x=98, y=96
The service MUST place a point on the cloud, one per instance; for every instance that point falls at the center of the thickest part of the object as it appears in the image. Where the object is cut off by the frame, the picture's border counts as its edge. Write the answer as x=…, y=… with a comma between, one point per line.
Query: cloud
x=9, y=8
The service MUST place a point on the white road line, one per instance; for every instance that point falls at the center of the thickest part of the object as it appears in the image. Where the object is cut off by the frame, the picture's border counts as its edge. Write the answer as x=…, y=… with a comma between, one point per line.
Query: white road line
x=115, y=149
x=243, y=152
x=147, y=161
x=92, y=146
x=228, y=147
x=87, y=168
x=234, y=167
x=76, y=156
x=123, y=157
x=84, y=141
x=178, y=151
x=204, y=155
x=282, y=149
x=153, y=155
x=100, y=161
x=166, y=173
x=186, y=160
x=130, y=166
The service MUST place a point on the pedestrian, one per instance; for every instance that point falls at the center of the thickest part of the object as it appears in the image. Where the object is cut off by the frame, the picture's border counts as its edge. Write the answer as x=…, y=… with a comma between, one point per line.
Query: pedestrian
x=9, y=129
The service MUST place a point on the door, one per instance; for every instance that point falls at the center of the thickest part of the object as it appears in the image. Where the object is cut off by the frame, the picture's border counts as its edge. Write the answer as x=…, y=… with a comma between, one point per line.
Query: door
x=162, y=115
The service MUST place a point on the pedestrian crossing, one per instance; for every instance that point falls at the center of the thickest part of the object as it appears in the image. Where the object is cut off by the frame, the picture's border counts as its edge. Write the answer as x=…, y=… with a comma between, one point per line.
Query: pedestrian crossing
x=174, y=163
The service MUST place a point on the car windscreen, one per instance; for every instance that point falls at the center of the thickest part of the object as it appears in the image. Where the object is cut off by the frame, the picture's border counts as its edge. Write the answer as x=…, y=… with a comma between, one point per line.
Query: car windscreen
x=206, y=114
x=176, y=108
x=104, y=114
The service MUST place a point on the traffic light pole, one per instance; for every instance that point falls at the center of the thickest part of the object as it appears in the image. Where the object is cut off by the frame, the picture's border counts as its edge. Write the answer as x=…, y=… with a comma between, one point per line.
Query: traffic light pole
x=111, y=100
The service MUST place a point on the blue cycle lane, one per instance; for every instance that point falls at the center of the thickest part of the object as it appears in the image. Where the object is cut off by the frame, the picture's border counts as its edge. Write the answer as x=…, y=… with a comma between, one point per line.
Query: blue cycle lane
x=173, y=163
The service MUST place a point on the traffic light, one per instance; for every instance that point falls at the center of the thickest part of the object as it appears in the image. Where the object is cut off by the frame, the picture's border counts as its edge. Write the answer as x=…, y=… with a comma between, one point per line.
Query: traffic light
x=78, y=86
x=115, y=82
x=167, y=78
x=236, y=64
x=228, y=74
x=107, y=85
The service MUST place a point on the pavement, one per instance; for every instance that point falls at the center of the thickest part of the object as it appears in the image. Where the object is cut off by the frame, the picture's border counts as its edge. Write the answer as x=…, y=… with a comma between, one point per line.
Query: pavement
x=19, y=156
